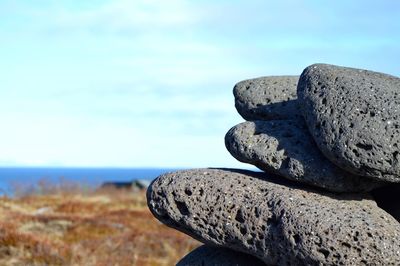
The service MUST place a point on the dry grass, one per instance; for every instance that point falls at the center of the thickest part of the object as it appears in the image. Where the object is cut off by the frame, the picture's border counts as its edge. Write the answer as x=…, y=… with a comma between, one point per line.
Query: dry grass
x=92, y=228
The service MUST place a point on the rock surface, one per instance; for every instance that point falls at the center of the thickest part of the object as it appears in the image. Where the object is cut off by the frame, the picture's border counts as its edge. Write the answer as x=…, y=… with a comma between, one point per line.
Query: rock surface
x=388, y=198
x=354, y=117
x=285, y=148
x=214, y=256
x=267, y=98
x=280, y=223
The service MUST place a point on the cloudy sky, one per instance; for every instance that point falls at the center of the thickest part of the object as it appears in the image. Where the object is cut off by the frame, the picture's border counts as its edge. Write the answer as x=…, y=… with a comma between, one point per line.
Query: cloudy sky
x=149, y=83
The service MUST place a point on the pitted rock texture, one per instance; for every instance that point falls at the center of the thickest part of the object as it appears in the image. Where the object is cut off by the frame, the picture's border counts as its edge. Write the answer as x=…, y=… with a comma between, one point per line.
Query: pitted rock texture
x=267, y=98
x=214, y=256
x=354, y=117
x=285, y=148
x=275, y=220
x=388, y=198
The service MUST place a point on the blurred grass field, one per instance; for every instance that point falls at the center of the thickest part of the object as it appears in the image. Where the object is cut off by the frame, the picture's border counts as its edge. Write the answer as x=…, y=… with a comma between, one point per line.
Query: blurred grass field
x=69, y=226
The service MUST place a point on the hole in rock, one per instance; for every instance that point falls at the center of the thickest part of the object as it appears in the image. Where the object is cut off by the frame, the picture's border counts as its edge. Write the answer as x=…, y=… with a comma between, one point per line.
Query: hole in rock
x=188, y=192
x=239, y=216
x=324, y=252
x=296, y=238
x=250, y=241
x=346, y=245
x=183, y=209
x=356, y=153
x=363, y=146
x=395, y=155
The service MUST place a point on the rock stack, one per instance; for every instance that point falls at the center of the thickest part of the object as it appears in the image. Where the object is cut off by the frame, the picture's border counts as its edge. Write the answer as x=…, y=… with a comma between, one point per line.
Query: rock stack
x=328, y=144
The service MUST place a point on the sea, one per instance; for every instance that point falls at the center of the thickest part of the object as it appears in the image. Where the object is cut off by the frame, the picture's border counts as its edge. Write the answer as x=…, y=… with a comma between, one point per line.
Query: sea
x=28, y=178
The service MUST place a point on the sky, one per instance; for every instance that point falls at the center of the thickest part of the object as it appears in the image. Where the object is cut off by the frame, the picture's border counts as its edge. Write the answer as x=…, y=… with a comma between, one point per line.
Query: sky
x=149, y=83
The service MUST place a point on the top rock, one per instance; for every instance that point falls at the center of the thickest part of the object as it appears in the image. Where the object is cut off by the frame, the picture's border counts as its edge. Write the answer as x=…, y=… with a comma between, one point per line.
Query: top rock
x=354, y=117
x=267, y=98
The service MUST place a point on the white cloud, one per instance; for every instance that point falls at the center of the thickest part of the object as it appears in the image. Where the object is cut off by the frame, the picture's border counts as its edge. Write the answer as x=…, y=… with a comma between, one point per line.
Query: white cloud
x=32, y=140
x=123, y=16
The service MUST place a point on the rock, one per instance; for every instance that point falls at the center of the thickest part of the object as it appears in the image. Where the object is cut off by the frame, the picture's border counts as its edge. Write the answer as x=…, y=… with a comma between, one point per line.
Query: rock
x=214, y=256
x=354, y=117
x=388, y=199
x=141, y=184
x=278, y=221
x=117, y=185
x=134, y=185
x=285, y=148
x=267, y=98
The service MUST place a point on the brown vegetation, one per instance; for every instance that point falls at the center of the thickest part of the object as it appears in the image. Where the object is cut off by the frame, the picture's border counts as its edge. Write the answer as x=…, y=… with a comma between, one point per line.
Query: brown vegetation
x=91, y=228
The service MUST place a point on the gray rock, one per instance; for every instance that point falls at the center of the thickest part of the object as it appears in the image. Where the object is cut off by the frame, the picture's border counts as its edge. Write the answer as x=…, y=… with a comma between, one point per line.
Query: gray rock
x=127, y=185
x=285, y=148
x=215, y=256
x=267, y=98
x=134, y=185
x=141, y=184
x=354, y=117
x=278, y=221
x=388, y=198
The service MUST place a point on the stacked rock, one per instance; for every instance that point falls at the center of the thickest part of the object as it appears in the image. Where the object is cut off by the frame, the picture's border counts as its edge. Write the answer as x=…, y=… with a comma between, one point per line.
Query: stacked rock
x=328, y=144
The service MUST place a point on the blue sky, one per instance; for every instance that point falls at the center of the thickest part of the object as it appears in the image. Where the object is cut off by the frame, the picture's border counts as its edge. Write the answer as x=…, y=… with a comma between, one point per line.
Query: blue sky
x=149, y=83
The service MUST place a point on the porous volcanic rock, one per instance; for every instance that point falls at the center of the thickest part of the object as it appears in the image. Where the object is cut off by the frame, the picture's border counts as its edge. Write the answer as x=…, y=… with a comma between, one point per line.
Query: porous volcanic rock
x=267, y=98
x=215, y=256
x=354, y=117
x=388, y=198
x=280, y=223
x=286, y=148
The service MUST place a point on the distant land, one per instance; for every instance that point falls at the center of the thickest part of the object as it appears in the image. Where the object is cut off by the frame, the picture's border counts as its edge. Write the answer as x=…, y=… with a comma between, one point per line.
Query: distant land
x=11, y=177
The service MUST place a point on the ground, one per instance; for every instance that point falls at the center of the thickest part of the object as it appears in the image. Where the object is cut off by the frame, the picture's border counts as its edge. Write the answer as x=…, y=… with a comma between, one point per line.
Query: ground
x=110, y=227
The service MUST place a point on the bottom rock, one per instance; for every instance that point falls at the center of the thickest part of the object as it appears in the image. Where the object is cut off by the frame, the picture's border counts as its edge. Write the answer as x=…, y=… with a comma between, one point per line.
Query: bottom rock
x=275, y=220
x=214, y=256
